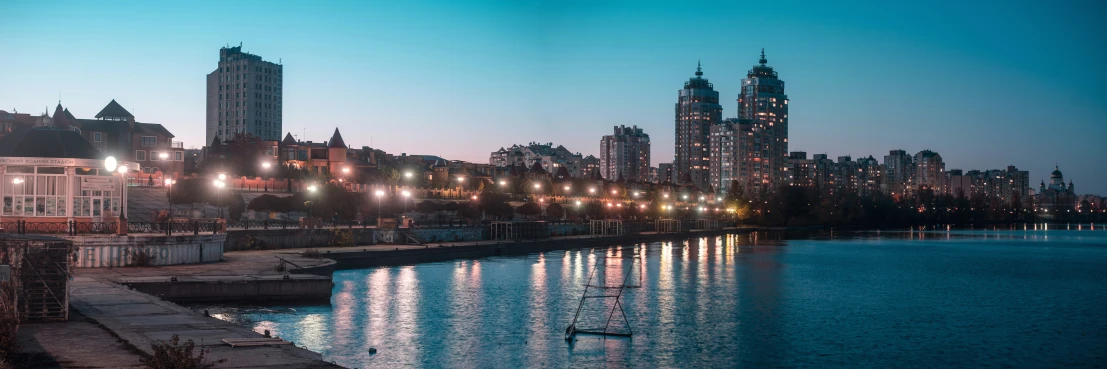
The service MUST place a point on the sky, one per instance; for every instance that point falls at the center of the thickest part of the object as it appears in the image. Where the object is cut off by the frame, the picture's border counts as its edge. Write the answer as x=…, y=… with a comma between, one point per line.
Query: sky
x=986, y=84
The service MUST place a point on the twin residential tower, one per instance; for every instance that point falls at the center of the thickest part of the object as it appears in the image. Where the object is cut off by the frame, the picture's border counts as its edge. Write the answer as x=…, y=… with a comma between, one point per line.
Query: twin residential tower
x=751, y=149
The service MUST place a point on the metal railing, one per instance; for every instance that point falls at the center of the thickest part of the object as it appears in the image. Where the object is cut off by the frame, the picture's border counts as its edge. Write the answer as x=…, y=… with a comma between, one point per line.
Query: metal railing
x=193, y=227
x=71, y=228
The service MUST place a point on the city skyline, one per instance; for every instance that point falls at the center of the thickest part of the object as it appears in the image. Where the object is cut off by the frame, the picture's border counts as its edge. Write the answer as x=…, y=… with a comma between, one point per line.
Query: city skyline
x=494, y=75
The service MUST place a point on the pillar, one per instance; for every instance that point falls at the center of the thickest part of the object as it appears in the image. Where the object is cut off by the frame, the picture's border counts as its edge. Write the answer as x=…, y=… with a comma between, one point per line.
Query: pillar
x=70, y=180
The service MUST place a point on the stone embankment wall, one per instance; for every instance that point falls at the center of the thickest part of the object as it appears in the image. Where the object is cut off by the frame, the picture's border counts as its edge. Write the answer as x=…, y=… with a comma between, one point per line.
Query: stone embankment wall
x=110, y=251
x=274, y=239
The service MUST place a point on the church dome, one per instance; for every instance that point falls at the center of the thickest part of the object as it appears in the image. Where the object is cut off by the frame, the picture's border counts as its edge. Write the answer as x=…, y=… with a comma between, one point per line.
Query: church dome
x=1056, y=173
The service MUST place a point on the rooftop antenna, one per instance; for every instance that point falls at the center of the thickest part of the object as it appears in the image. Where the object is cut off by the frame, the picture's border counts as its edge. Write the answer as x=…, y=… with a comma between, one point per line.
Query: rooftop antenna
x=699, y=72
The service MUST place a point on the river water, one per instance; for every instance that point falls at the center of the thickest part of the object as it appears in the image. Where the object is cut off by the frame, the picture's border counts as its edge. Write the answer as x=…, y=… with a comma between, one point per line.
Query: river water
x=865, y=300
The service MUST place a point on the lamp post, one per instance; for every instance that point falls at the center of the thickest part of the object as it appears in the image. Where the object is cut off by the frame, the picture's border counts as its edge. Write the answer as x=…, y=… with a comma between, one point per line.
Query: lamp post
x=406, y=194
x=219, y=184
x=265, y=169
x=311, y=204
x=169, y=195
x=113, y=166
x=379, y=194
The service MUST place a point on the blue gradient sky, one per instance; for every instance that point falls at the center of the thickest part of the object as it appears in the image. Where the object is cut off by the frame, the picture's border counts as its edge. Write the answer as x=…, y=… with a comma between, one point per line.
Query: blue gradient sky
x=984, y=83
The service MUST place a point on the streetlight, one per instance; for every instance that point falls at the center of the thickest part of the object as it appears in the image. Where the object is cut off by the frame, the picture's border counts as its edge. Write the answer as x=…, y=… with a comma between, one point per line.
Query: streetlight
x=407, y=174
x=169, y=195
x=380, y=194
x=591, y=190
x=311, y=204
x=265, y=168
x=164, y=156
x=406, y=194
x=112, y=165
x=219, y=184
x=346, y=170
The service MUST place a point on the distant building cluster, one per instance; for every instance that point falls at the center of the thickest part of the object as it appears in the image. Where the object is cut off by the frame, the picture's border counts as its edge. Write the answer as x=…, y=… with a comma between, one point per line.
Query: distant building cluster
x=552, y=159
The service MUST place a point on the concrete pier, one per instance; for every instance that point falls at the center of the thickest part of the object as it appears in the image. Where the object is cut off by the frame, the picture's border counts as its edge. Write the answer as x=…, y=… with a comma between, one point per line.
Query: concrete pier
x=139, y=320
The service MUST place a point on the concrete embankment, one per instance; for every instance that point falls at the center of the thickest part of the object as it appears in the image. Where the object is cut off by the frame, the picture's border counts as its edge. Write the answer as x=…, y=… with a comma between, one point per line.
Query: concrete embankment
x=248, y=288
x=382, y=255
x=253, y=276
x=140, y=320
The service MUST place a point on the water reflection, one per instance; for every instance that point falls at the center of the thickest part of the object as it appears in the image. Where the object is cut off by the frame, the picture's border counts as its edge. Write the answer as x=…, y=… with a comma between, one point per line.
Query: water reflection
x=888, y=299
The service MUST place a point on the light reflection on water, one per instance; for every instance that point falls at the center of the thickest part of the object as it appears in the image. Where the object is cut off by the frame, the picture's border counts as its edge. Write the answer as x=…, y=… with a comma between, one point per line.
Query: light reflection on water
x=897, y=299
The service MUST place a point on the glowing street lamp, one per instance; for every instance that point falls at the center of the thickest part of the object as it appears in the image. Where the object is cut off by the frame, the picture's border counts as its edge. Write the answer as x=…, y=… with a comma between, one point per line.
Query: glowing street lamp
x=169, y=196
x=311, y=204
x=591, y=190
x=406, y=194
x=219, y=184
x=112, y=165
x=164, y=156
x=379, y=194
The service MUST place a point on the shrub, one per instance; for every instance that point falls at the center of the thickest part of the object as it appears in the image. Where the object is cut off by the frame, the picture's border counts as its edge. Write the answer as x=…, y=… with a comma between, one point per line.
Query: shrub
x=311, y=253
x=141, y=257
x=343, y=237
x=174, y=355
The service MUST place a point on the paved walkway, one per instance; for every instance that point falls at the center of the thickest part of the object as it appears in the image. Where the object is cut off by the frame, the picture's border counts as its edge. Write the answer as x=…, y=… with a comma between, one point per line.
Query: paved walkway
x=78, y=343
x=140, y=320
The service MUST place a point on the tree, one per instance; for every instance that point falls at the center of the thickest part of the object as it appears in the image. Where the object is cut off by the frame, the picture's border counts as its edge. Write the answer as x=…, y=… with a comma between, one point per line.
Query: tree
x=236, y=205
x=190, y=191
x=790, y=202
x=529, y=209
x=495, y=204
x=555, y=211
x=427, y=207
x=242, y=156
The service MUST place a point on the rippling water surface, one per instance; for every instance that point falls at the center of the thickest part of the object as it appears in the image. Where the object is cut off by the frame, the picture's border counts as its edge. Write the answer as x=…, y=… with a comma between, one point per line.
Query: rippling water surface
x=939, y=299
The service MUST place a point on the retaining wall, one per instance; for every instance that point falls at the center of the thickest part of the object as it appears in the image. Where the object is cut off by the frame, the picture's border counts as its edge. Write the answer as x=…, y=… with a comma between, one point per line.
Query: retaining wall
x=110, y=251
x=275, y=239
x=237, y=289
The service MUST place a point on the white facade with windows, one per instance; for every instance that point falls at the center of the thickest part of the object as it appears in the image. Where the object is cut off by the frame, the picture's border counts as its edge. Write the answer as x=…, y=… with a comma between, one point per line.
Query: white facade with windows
x=59, y=187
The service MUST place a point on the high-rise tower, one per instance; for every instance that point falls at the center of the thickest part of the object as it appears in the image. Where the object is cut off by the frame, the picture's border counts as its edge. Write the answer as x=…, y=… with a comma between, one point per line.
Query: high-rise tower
x=763, y=102
x=244, y=95
x=697, y=108
x=626, y=154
